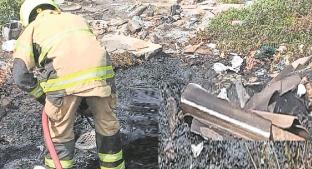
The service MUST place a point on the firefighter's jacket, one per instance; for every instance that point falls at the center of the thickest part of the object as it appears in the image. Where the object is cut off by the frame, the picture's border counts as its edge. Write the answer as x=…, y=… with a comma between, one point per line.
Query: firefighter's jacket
x=70, y=59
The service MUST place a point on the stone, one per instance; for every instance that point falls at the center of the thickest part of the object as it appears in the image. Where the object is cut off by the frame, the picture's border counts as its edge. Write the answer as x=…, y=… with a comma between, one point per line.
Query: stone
x=135, y=24
x=2, y=113
x=138, y=11
x=5, y=102
x=117, y=22
x=143, y=34
x=205, y=20
x=139, y=48
x=70, y=6
x=176, y=17
x=150, y=11
x=175, y=10
x=203, y=51
x=190, y=49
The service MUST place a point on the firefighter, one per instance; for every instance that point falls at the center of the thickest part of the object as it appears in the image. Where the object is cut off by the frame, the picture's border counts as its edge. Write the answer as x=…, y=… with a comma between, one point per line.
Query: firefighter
x=73, y=67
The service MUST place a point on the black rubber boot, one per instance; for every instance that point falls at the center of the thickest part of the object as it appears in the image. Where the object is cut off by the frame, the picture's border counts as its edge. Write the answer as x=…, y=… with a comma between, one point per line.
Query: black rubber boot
x=110, y=151
x=65, y=152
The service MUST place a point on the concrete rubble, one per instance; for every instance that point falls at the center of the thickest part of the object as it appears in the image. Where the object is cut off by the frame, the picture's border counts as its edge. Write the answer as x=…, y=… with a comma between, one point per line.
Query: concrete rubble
x=140, y=48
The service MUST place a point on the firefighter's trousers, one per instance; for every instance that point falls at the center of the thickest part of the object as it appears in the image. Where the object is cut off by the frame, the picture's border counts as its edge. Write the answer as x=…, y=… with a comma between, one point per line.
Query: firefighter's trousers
x=61, y=126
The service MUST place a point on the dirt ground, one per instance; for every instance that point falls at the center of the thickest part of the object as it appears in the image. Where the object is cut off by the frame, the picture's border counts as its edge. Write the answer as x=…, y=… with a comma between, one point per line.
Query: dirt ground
x=149, y=141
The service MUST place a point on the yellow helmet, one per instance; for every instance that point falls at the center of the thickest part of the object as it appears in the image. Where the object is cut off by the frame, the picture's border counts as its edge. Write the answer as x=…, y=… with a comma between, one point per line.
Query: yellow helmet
x=29, y=5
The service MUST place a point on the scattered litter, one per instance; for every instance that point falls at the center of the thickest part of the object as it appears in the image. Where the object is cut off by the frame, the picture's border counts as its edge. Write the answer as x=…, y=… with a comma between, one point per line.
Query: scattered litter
x=282, y=49
x=220, y=67
x=250, y=60
x=243, y=96
x=86, y=141
x=11, y=30
x=260, y=72
x=237, y=62
x=212, y=45
x=9, y=46
x=301, y=90
x=196, y=149
x=265, y=52
x=223, y=94
x=301, y=48
x=39, y=167
x=190, y=49
x=176, y=17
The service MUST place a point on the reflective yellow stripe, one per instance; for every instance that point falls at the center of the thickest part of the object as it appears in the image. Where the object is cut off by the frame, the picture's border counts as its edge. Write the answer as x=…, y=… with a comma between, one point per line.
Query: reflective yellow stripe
x=121, y=166
x=110, y=158
x=49, y=43
x=86, y=76
x=37, y=92
x=64, y=163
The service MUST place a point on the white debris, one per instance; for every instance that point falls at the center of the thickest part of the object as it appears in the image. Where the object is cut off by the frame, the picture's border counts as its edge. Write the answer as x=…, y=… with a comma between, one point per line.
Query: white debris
x=223, y=94
x=301, y=90
x=220, y=67
x=9, y=46
x=196, y=149
x=260, y=72
x=282, y=49
x=249, y=2
x=59, y=2
x=212, y=45
x=39, y=167
x=301, y=48
x=237, y=62
x=41, y=147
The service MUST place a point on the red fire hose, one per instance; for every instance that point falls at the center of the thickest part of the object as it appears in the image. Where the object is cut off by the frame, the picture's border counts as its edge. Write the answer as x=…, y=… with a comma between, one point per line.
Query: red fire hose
x=49, y=143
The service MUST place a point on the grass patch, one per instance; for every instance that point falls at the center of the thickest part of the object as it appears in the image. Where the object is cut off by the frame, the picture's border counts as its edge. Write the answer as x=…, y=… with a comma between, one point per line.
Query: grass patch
x=266, y=22
x=9, y=9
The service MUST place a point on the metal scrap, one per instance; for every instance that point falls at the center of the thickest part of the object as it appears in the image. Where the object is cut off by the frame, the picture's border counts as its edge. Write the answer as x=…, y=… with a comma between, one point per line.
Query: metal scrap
x=202, y=129
x=289, y=124
x=197, y=102
x=207, y=110
x=260, y=101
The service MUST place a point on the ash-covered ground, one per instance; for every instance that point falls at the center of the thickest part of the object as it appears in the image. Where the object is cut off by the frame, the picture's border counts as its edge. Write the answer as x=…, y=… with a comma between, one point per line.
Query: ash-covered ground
x=21, y=141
